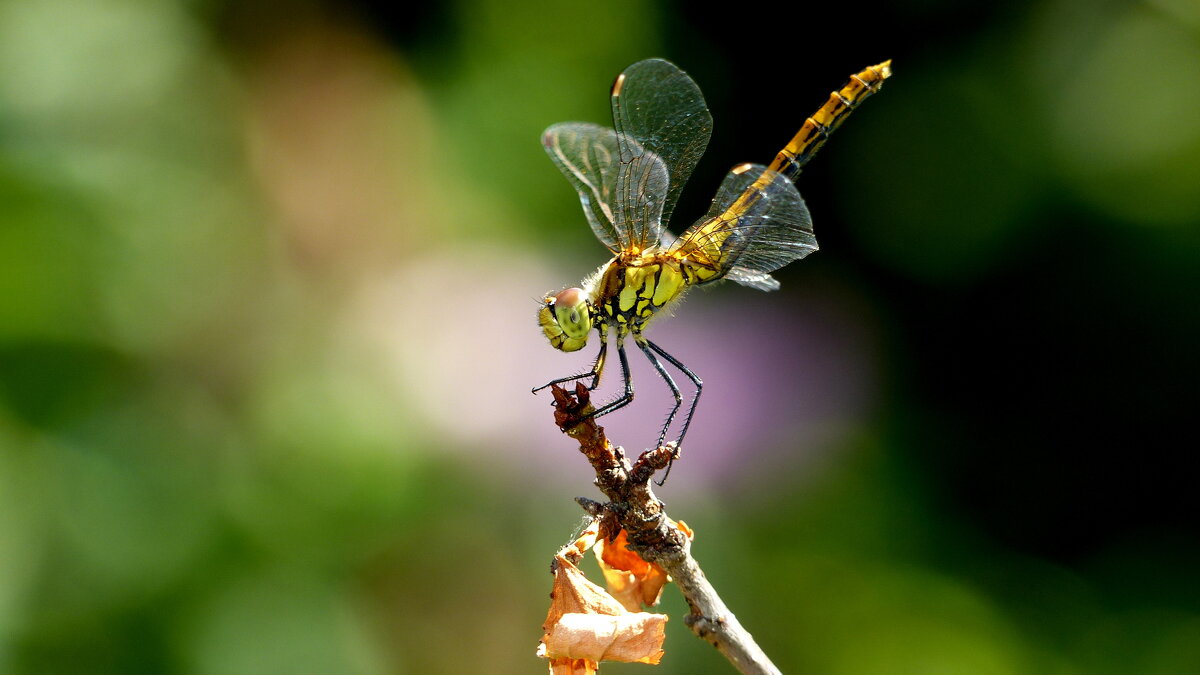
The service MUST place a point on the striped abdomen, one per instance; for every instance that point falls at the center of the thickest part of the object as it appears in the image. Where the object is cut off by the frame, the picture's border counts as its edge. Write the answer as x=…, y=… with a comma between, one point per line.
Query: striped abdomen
x=817, y=128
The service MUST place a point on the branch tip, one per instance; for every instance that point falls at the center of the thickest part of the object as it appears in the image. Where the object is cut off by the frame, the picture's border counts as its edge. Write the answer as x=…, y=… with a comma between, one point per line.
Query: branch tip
x=655, y=537
x=593, y=508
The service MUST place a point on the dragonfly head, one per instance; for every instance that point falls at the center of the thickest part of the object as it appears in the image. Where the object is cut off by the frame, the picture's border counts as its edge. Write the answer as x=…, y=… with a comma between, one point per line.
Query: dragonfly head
x=566, y=319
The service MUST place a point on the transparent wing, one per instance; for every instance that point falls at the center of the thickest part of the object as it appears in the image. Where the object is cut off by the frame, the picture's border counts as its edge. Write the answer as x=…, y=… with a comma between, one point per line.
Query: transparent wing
x=622, y=200
x=748, y=277
x=662, y=124
x=642, y=185
x=757, y=223
x=589, y=157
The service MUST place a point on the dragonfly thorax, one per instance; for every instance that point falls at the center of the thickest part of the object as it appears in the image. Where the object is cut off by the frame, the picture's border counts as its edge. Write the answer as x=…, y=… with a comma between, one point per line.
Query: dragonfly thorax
x=632, y=290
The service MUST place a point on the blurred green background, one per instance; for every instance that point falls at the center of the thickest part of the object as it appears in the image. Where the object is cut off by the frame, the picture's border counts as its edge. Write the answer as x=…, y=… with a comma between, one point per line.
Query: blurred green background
x=268, y=273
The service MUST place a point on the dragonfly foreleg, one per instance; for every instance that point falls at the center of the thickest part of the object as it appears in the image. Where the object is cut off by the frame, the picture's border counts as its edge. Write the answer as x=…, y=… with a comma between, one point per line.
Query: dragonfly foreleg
x=595, y=373
x=626, y=397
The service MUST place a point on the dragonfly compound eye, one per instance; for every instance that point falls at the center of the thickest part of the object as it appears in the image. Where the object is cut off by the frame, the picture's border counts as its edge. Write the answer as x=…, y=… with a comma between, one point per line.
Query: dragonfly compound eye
x=566, y=319
x=571, y=310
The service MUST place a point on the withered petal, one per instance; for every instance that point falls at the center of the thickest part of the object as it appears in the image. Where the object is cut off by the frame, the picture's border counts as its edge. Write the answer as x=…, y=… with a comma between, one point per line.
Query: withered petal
x=629, y=637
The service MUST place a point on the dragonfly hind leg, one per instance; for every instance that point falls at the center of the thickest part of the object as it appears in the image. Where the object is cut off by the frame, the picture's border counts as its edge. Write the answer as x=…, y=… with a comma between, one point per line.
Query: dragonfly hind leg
x=595, y=373
x=662, y=372
x=687, y=419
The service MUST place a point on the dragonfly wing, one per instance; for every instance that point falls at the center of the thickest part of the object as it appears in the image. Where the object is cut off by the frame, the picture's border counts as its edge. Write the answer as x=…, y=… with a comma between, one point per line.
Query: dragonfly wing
x=748, y=277
x=642, y=184
x=589, y=156
x=757, y=223
x=658, y=110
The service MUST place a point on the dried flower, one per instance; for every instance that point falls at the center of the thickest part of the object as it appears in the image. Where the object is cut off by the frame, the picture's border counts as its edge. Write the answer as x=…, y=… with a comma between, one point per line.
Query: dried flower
x=587, y=625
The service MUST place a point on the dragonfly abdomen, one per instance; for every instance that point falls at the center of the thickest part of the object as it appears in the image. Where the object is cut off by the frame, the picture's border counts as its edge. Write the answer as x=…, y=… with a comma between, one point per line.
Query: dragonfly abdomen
x=817, y=128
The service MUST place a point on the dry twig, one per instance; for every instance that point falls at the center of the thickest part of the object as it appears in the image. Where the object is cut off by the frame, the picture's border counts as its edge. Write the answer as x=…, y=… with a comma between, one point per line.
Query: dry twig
x=633, y=507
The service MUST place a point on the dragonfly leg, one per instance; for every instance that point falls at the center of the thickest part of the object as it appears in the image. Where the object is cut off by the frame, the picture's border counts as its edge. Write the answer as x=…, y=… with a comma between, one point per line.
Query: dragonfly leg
x=594, y=373
x=598, y=366
x=687, y=420
x=662, y=436
x=627, y=397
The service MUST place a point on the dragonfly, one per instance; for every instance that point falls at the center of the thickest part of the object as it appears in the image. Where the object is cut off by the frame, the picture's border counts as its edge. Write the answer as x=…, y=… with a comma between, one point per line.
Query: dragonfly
x=629, y=178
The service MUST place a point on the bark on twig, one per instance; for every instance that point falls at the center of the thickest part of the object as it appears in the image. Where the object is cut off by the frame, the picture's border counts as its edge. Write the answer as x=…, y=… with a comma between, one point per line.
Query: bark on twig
x=633, y=507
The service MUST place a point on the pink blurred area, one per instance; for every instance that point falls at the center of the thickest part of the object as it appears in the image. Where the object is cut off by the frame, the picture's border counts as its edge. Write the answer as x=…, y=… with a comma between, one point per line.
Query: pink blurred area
x=781, y=388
